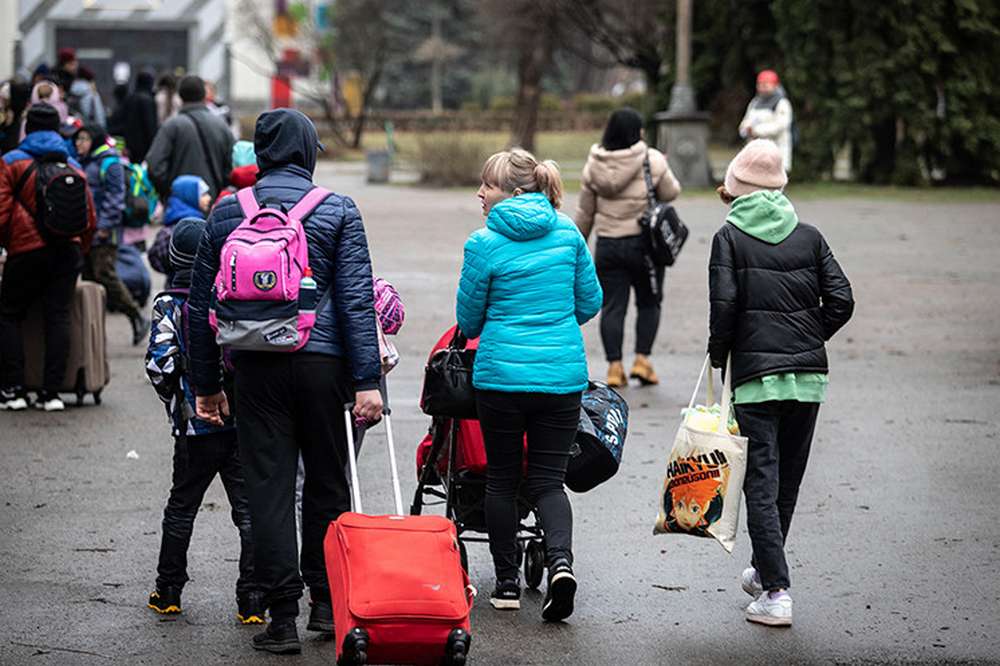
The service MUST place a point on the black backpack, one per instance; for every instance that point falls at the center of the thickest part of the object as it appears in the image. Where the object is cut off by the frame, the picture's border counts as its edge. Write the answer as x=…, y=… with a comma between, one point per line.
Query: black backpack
x=60, y=197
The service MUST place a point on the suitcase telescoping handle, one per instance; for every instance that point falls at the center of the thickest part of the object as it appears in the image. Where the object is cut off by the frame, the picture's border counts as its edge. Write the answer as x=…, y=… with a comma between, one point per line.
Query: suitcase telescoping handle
x=352, y=458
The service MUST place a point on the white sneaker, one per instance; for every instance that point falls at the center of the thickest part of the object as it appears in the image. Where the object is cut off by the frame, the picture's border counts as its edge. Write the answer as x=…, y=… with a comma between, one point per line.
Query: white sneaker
x=750, y=582
x=51, y=405
x=14, y=404
x=773, y=610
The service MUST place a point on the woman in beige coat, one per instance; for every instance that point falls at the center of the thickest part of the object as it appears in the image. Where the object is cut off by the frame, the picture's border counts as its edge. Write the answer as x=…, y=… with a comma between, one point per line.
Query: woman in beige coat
x=612, y=200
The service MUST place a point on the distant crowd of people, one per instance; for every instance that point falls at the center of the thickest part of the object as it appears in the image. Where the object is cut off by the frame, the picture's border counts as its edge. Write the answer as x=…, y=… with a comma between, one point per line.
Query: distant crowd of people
x=165, y=151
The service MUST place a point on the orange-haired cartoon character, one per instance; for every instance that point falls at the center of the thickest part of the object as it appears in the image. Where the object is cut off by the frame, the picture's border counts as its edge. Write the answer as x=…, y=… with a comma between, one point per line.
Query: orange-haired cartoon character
x=693, y=497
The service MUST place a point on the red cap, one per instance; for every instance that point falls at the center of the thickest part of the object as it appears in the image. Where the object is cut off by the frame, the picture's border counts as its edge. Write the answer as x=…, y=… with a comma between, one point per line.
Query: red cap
x=66, y=55
x=768, y=76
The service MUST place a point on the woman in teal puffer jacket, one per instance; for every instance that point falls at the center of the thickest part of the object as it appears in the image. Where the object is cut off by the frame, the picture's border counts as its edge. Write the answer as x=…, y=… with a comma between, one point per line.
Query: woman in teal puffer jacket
x=527, y=285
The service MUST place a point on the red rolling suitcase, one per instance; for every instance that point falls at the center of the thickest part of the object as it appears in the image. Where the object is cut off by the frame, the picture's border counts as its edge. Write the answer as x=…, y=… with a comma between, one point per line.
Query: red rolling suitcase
x=400, y=594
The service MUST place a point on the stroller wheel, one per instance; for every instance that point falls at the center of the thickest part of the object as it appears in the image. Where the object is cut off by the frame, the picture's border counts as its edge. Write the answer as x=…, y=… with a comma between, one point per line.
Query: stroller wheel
x=534, y=564
x=464, y=554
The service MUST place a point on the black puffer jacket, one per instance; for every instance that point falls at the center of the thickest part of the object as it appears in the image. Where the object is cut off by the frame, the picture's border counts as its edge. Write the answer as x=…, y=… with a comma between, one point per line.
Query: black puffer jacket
x=286, y=144
x=774, y=305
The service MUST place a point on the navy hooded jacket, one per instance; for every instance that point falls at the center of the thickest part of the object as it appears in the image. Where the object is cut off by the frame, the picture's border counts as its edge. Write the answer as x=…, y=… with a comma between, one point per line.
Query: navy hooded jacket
x=286, y=144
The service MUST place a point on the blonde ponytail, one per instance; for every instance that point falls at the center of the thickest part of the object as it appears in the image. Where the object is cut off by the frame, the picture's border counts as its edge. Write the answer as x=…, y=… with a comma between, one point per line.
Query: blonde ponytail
x=518, y=169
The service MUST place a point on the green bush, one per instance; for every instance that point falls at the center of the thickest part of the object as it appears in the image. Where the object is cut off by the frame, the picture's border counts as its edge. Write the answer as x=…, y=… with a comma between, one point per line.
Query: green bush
x=593, y=103
x=446, y=159
x=502, y=103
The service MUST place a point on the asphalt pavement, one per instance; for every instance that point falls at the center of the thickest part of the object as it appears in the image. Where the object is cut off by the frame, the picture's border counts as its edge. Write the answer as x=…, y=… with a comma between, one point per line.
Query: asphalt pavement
x=894, y=550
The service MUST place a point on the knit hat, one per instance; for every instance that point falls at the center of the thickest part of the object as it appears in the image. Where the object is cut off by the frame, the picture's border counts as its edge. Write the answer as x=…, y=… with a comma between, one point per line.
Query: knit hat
x=191, y=89
x=768, y=76
x=41, y=117
x=758, y=166
x=184, y=243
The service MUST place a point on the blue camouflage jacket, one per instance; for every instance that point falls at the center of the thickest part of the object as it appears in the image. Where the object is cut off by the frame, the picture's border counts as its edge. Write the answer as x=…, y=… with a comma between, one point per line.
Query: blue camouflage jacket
x=166, y=366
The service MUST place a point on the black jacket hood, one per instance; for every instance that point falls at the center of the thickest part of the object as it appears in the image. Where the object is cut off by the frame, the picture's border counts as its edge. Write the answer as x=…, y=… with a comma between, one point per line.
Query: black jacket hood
x=285, y=137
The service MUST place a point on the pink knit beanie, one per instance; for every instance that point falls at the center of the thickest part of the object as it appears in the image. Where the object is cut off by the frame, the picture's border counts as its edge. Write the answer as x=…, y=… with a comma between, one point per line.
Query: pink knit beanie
x=757, y=167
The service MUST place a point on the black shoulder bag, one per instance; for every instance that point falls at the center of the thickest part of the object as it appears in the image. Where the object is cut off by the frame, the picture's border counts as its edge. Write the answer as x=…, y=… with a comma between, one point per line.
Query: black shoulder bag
x=662, y=228
x=448, y=389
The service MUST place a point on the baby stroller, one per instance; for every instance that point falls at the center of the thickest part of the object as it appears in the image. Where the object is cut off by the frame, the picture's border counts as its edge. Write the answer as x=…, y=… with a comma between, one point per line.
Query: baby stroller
x=451, y=471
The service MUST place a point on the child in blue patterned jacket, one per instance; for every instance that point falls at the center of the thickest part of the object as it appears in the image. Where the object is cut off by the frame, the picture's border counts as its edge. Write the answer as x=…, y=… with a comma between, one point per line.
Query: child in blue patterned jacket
x=201, y=450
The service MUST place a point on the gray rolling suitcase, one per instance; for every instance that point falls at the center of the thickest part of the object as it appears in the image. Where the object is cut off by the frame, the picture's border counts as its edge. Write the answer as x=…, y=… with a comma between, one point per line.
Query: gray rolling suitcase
x=87, y=368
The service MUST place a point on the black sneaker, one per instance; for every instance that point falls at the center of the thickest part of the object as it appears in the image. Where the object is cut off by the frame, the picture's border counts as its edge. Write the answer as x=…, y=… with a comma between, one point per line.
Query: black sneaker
x=320, y=617
x=14, y=399
x=279, y=638
x=140, y=328
x=166, y=601
x=250, y=608
x=559, y=595
x=506, y=595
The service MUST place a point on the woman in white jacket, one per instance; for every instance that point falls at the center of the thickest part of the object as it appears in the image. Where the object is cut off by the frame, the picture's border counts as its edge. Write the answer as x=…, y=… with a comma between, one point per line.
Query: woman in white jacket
x=769, y=116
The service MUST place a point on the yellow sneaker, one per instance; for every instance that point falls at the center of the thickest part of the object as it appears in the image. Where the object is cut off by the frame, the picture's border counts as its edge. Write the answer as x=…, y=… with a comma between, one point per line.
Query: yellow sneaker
x=166, y=601
x=642, y=370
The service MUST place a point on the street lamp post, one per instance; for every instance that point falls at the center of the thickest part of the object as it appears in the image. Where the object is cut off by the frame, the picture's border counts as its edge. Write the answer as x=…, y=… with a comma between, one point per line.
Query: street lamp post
x=683, y=130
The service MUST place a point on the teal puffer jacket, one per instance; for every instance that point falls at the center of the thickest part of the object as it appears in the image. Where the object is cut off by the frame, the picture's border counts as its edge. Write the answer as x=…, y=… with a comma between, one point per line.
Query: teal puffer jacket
x=527, y=285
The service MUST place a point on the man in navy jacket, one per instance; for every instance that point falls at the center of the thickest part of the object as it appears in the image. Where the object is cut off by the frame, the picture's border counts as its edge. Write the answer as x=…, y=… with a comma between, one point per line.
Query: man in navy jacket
x=289, y=403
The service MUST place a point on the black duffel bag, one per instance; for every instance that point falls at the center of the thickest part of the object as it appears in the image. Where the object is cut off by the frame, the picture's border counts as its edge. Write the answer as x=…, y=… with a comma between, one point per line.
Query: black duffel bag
x=662, y=228
x=597, y=451
x=448, y=389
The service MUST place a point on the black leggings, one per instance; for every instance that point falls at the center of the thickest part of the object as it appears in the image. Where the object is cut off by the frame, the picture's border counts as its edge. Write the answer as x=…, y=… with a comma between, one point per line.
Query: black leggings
x=622, y=266
x=550, y=421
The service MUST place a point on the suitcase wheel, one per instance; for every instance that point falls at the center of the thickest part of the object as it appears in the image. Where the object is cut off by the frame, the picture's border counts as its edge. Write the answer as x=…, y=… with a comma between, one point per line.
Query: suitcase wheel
x=355, y=650
x=534, y=564
x=457, y=650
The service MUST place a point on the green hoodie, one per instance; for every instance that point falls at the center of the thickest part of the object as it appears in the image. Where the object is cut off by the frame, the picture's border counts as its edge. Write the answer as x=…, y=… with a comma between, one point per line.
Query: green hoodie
x=769, y=216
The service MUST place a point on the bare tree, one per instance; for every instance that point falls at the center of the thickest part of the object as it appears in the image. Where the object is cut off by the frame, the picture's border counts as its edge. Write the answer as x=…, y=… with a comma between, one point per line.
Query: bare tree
x=635, y=33
x=364, y=36
x=530, y=32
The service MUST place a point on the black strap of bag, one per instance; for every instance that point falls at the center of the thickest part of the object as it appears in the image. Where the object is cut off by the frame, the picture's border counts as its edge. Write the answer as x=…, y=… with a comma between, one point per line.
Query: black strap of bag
x=650, y=188
x=208, y=155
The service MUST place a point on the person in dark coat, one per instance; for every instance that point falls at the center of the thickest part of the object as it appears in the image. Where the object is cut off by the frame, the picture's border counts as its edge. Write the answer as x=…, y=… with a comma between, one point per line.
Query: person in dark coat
x=140, y=118
x=195, y=142
x=777, y=295
x=291, y=402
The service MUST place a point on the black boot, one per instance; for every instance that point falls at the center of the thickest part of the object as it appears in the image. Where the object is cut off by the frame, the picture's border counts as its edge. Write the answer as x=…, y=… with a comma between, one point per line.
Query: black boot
x=280, y=637
x=320, y=617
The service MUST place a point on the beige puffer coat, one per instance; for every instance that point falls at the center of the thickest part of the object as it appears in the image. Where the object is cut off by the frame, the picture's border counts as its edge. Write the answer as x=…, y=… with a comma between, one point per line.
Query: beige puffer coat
x=613, y=195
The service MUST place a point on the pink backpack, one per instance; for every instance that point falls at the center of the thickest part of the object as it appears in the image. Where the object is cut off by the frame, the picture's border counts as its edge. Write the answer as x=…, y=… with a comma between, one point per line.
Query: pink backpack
x=265, y=296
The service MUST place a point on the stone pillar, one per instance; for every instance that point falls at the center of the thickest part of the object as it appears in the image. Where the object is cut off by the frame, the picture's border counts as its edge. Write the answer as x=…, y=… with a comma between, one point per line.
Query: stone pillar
x=682, y=131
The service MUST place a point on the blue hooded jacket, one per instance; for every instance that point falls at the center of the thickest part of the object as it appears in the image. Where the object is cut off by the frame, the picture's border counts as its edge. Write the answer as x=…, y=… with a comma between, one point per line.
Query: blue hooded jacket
x=39, y=143
x=184, y=200
x=528, y=283
x=286, y=143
